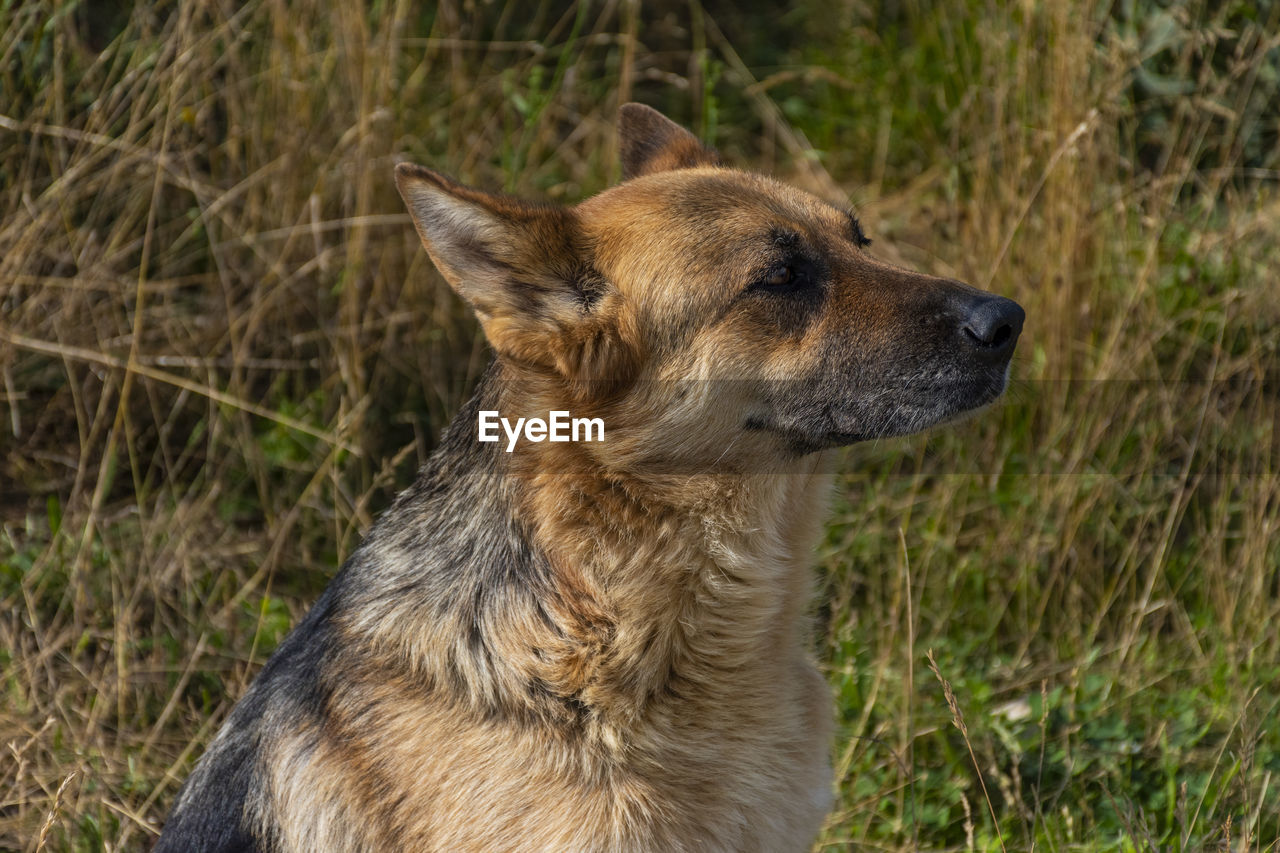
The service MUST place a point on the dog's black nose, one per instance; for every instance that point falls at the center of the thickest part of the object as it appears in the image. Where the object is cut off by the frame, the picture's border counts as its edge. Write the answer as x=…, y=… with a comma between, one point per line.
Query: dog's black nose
x=993, y=324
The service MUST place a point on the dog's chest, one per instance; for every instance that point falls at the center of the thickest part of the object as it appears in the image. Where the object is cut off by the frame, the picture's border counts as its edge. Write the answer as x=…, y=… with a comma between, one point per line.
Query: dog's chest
x=762, y=784
x=754, y=776
x=760, y=780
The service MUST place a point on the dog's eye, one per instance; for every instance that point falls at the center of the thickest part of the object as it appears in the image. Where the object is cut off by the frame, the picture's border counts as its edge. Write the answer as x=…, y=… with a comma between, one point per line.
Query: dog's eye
x=781, y=277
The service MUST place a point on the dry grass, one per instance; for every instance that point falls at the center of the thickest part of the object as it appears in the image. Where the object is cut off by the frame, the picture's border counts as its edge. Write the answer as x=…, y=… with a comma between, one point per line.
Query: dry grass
x=221, y=350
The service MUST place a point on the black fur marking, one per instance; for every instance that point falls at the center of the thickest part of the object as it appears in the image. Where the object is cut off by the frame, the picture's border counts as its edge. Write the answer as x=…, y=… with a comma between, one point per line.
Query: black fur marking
x=786, y=239
x=209, y=815
x=856, y=234
x=588, y=287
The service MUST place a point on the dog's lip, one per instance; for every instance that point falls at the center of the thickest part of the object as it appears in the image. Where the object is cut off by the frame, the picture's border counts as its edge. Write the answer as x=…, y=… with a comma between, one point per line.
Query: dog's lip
x=807, y=441
x=953, y=400
x=841, y=439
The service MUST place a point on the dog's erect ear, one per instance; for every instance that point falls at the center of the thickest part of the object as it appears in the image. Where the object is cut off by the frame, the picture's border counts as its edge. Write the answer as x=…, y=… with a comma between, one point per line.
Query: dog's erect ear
x=522, y=269
x=650, y=142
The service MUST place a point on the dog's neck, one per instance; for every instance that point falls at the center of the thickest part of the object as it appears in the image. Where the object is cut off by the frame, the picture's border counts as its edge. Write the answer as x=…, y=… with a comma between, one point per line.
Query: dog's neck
x=675, y=590
x=592, y=595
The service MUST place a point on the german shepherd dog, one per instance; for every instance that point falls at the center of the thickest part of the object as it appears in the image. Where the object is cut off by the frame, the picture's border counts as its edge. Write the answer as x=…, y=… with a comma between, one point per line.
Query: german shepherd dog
x=605, y=645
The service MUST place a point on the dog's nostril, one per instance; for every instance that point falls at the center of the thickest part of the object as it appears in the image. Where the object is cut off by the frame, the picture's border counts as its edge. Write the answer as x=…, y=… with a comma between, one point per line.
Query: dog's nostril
x=999, y=339
x=994, y=324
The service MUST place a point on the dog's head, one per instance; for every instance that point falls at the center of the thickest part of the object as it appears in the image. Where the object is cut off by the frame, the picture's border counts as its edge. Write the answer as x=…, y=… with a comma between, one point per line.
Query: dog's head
x=709, y=315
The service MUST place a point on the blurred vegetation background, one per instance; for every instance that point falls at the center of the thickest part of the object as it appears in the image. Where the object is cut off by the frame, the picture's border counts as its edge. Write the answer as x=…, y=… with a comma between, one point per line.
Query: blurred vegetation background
x=222, y=351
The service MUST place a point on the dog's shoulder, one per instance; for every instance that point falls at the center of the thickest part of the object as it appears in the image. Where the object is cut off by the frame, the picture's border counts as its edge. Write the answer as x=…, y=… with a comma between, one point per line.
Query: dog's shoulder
x=217, y=808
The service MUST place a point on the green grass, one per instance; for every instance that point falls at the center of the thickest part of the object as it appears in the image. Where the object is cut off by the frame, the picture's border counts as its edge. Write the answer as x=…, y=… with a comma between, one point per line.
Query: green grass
x=222, y=350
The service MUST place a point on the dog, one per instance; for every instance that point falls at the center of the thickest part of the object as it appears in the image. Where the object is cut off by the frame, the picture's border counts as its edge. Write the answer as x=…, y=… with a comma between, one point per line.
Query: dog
x=604, y=644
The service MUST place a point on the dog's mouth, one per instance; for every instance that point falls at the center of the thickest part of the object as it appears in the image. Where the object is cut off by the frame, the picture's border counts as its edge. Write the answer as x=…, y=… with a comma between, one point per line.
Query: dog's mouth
x=886, y=410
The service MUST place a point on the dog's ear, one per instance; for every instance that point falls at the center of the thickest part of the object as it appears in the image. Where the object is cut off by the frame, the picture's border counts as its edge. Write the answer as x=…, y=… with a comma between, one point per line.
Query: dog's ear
x=650, y=142
x=522, y=268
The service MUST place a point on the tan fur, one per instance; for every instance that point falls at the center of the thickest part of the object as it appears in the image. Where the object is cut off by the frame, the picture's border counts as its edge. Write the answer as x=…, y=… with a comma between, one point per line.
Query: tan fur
x=605, y=646
x=739, y=764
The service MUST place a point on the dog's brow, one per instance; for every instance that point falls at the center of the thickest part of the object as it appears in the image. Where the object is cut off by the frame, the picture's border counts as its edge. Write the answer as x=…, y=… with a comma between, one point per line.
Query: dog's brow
x=856, y=233
x=785, y=238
